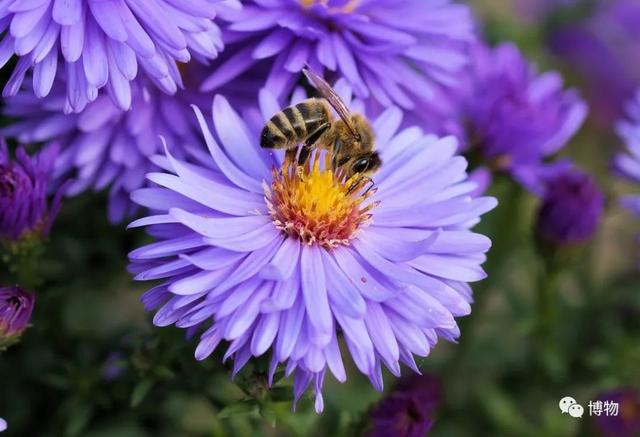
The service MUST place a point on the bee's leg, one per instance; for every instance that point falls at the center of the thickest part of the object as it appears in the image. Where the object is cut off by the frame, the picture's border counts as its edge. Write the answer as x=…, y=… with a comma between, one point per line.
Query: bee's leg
x=305, y=151
x=290, y=154
x=353, y=187
x=336, y=150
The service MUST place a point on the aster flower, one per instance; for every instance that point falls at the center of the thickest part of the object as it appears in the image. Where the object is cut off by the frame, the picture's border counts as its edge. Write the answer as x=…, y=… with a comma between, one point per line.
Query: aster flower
x=627, y=165
x=627, y=422
x=408, y=410
x=24, y=185
x=105, y=146
x=16, y=306
x=604, y=50
x=399, y=52
x=571, y=209
x=101, y=44
x=267, y=256
x=515, y=117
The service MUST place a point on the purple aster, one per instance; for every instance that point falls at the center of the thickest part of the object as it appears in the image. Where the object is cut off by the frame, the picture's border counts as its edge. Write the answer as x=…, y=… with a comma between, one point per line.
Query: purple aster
x=515, y=117
x=627, y=422
x=628, y=164
x=269, y=257
x=104, y=43
x=604, y=50
x=399, y=52
x=16, y=306
x=571, y=210
x=408, y=410
x=24, y=185
x=105, y=146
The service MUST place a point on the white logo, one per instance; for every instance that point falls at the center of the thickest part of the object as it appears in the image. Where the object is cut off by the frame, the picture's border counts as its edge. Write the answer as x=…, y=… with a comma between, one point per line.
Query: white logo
x=565, y=403
x=576, y=411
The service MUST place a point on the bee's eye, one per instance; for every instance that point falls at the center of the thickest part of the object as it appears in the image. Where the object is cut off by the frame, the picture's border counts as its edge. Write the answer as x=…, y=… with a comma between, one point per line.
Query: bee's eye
x=361, y=165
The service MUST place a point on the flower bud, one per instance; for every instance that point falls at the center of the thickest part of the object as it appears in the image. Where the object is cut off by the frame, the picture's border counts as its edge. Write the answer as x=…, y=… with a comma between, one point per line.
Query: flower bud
x=24, y=211
x=408, y=410
x=16, y=306
x=571, y=208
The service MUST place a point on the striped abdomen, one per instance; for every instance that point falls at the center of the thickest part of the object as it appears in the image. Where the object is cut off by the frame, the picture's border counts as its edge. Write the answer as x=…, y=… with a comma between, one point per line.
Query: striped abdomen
x=293, y=125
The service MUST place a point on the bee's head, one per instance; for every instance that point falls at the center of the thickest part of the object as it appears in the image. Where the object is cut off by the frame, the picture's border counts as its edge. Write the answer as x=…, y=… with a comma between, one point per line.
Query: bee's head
x=365, y=164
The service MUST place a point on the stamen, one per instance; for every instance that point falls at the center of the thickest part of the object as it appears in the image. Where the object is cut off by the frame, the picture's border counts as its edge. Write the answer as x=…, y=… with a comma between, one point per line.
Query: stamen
x=317, y=205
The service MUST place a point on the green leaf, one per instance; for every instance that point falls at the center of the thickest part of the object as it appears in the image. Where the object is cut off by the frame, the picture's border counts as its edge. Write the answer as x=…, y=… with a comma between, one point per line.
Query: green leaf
x=141, y=391
x=247, y=407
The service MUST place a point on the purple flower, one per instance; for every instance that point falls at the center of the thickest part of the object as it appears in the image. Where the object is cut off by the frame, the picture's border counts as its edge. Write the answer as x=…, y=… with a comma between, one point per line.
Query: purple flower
x=16, y=306
x=105, y=146
x=571, y=209
x=399, y=52
x=628, y=164
x=604, y=50
x=3, y=425
x=24, y=184
x=408, y=410
x=269, y=257
x=101, y=44
x=627, y=422
x=515, y=117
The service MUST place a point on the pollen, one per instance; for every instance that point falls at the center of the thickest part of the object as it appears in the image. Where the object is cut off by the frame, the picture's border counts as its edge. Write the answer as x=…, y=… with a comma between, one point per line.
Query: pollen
x=345, y=6
x=317, y=205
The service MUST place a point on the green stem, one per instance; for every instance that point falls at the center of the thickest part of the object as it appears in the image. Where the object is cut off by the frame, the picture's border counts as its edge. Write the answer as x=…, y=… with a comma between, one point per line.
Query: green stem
x=546, y=312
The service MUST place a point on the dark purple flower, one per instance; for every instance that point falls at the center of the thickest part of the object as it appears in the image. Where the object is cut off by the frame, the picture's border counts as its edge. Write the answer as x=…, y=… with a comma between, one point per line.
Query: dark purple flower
x=104, y=145
x=627, y=421
x=16, y=306
x=105, y=43
x=627, y=165
x=408, y=410
x=515, y=117
x=571, y=209
x=398, y=52
x=24, y=185
x=265, y=256
x=604, y=49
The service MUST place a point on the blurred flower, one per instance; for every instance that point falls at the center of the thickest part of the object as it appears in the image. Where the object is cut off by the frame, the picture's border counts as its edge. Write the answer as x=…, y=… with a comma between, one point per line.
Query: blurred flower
x=605, y=51
x=103, y=43
x=628, y=164
x=3, y=424
x=24, y=184
x=515, y=117
x=16, y=306
x=265, y=256
x=535, y=11
x=408, y=410
x=105, y=146
x=113, y=366
x=571, y=209
x=627, y=422
x=397, y=51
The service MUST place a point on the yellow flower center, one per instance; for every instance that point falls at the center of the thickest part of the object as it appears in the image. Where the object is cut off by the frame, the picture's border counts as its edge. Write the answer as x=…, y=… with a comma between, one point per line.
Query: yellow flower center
x=349, y=6
x=317, y=205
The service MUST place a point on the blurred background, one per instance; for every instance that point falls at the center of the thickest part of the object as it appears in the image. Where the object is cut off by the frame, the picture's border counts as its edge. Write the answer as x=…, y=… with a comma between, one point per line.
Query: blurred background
x=92, y=365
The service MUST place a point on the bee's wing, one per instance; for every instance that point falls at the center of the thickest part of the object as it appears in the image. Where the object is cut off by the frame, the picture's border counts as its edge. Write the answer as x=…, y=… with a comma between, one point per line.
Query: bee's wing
x=330, y=95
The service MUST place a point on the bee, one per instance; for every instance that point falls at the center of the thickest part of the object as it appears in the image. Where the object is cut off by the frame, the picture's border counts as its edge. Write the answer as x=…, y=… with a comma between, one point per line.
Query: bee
x=311, y=122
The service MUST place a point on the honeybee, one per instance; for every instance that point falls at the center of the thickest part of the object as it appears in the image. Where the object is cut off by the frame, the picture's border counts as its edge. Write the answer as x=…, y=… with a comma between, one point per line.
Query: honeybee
x=312, y=122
